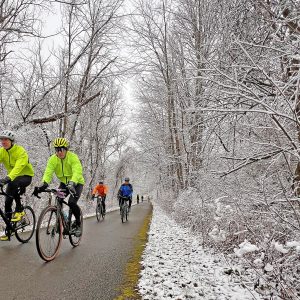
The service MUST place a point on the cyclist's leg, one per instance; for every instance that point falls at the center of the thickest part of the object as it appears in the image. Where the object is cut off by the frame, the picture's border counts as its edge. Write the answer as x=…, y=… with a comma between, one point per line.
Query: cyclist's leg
x=103, y=202
x=73, y=203
x=23, y=182
x=8, y=203
x=130, y=201
x=16, y=188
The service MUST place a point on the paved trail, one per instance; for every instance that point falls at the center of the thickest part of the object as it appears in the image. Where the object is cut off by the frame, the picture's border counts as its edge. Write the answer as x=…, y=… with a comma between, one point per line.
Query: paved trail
x=93, y=270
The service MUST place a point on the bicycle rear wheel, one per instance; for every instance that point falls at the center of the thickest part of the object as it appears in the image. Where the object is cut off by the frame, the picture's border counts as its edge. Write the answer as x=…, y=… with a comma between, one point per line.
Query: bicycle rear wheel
x=25, y=228
x=48, y=233
x=99, y=212
x=74, y=240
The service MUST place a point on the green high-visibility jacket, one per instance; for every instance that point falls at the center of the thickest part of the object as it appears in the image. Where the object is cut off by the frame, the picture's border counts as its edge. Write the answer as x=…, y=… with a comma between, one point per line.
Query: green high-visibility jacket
x=67, y=169
x=16, y=161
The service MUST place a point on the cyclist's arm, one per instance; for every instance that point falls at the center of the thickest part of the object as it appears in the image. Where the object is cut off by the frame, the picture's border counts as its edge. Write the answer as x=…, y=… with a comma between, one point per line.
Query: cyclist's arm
x=21, y=162
x=48, y=174
x=120, y=192
x=95, y=191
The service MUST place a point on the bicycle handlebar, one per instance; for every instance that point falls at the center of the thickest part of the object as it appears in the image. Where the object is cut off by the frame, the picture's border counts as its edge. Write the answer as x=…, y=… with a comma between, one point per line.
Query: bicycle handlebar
x=58, y=192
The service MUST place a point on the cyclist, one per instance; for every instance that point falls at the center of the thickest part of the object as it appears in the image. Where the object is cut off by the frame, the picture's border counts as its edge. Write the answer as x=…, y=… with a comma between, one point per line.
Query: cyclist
x=125, y=191
x=68, y=169
x=101, y=190
x=20, y=172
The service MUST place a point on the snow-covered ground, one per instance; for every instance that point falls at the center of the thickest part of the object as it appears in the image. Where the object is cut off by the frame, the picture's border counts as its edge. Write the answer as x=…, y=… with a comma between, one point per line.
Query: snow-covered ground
x=175, y=266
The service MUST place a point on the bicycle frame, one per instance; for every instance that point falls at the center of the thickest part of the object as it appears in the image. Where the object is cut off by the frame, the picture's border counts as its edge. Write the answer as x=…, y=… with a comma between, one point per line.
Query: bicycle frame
x=99, y=200
x=59, y=201
x=125, y=199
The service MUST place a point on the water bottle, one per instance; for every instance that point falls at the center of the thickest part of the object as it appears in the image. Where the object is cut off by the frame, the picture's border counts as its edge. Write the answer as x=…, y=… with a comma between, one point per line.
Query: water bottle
x=65, y=216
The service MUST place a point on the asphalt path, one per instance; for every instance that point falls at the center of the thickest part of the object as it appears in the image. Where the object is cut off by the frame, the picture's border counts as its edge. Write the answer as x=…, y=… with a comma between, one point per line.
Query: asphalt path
x=93, y=270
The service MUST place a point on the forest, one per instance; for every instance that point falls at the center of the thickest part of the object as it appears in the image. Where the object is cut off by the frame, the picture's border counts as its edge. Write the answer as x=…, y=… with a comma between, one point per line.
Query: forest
x=212, y=132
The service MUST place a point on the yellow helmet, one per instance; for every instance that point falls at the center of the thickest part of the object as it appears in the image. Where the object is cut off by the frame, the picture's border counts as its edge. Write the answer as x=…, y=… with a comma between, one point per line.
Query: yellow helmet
x=61, y=142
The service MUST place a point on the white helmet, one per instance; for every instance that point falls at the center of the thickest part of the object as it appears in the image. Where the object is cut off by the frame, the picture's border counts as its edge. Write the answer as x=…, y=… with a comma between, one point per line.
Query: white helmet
x=6, y=134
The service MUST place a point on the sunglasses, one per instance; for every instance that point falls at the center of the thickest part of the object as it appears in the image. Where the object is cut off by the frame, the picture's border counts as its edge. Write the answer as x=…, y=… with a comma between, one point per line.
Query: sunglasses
x=59, y=149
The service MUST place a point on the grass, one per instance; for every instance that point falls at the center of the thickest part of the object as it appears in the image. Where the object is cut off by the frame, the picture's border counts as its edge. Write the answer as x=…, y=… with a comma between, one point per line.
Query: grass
x=131, y=275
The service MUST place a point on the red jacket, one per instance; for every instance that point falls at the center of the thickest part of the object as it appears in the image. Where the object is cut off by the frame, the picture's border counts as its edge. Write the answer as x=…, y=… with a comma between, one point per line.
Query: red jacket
x=100, y=189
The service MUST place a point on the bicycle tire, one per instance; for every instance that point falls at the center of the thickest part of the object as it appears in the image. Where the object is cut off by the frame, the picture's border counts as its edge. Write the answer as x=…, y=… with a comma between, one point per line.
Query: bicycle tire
x=97, y=213
x=27, y=220
x=52, y=227
x=74, y=240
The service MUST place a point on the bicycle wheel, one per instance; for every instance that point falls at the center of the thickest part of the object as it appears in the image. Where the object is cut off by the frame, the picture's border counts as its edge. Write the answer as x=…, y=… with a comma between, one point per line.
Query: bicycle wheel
x=75, y=240
x=48, y=233
x=25, y=228
x=98, y=213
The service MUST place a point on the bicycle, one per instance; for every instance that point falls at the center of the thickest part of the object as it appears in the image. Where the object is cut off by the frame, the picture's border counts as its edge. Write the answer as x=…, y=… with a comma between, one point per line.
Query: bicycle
x=100, y=209
x=24, y=229
x=124, y=209
x=52, y=226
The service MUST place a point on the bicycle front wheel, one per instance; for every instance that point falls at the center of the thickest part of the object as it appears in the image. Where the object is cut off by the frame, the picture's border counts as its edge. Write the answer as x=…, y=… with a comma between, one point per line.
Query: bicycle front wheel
x=25, y=228
x=98, y=213
x=48, y=233
x=75, y=240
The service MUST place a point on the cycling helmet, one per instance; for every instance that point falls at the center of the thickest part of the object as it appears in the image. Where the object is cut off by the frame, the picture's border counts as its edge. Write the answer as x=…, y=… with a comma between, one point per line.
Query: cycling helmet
x=61, y=143
x=101, y=182
x=126, y=179
x=6, y=134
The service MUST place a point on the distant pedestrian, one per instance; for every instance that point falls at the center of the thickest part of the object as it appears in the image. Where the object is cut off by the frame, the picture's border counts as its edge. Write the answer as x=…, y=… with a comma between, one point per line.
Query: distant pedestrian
x=142, y=198
x=137, y=199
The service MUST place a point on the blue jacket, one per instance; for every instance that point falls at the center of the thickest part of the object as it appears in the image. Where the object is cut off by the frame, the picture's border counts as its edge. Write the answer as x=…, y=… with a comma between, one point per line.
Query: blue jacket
x=125, y=190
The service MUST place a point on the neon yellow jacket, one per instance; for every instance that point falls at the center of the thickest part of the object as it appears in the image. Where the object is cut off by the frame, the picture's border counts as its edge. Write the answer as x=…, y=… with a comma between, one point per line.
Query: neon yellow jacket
x=67, y=169
x=16, y=161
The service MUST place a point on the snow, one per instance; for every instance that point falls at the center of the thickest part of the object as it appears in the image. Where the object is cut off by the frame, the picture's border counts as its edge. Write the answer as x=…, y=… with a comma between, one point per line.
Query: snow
x=292, y=244
x=280, y=248
x=245, y=247
x=268, y=267
x=217, y=235
x=175, y=266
